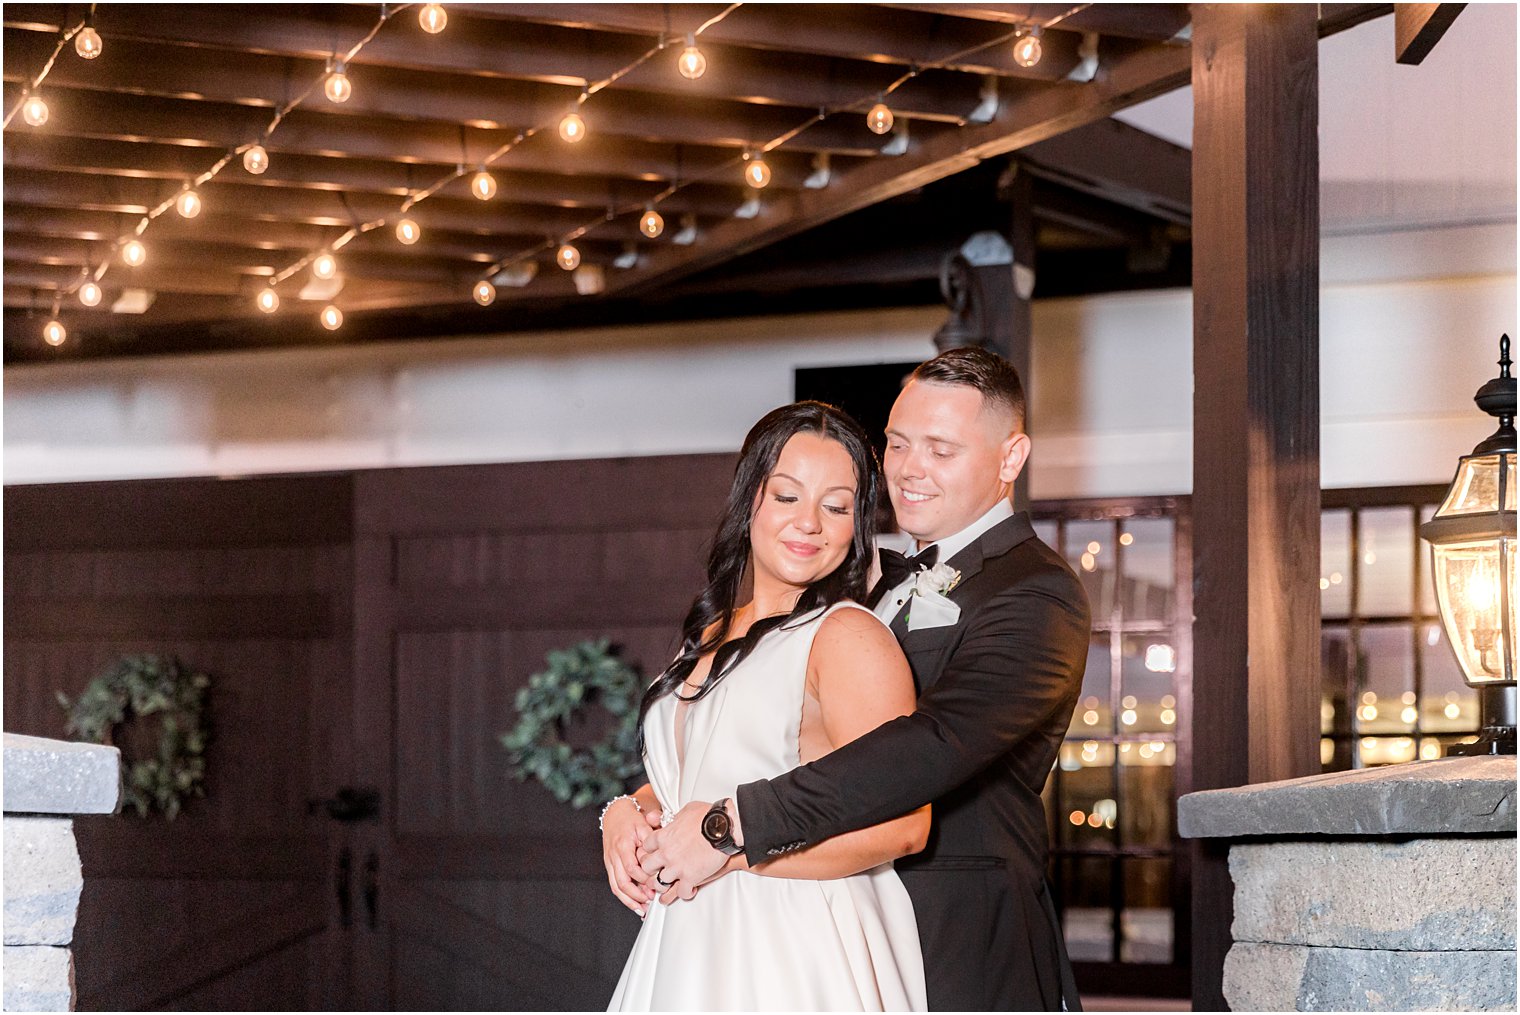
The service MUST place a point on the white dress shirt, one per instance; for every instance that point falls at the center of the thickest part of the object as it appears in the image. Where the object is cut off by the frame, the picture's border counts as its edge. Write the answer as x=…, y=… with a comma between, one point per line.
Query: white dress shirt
x=894, y=599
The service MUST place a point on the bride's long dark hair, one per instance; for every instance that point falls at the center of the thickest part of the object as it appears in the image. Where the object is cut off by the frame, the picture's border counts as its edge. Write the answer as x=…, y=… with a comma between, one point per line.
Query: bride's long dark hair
x=730, y=556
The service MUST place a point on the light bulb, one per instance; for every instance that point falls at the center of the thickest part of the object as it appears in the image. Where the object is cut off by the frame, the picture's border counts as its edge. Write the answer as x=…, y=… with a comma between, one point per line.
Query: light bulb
x=34, y=111
x=188, y=204
x=879, y=119
x=54, y=333
x=256, y=159
x=89, y=294
x=267, y=300
x=691, y=63
x=483, y=185
x=652, y=223
x=337, y=85
x=572, y=128
x=485, y=293
x=432, y=17
x=332, y=318
x=408, y=231
x=87, y=43
x=1026, y=52
x=757, y=174
x=324, y=266
x=568, y=257
x=133, y=253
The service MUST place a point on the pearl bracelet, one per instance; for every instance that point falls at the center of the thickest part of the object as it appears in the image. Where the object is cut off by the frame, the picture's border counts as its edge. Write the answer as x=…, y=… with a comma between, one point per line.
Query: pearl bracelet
x=601, y=819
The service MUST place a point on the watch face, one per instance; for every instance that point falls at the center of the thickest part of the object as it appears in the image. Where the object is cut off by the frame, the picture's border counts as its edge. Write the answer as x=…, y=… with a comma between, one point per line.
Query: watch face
x=715, y=826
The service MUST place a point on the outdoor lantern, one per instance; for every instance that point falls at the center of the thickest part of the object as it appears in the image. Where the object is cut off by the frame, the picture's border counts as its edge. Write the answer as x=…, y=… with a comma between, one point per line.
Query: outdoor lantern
x=1472, y=541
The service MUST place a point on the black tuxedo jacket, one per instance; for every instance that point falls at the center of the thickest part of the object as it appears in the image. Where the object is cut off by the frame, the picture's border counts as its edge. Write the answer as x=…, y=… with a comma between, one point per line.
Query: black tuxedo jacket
x=996, y=694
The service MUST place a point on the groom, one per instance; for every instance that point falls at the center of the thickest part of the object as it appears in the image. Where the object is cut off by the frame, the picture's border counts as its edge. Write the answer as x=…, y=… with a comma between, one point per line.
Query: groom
x=997, y=649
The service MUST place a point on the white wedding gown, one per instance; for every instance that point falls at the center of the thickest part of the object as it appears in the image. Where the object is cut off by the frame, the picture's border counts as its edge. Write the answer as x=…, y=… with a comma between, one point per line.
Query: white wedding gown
x=748, y=942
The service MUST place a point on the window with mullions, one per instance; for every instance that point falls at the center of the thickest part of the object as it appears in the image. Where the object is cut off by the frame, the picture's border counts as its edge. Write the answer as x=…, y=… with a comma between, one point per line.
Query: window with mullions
x=1119, y=876
x=1392, y=690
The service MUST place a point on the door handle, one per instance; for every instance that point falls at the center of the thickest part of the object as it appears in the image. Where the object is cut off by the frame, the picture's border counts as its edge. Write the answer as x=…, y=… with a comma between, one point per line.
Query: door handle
x=372, y=891
x=343, y=876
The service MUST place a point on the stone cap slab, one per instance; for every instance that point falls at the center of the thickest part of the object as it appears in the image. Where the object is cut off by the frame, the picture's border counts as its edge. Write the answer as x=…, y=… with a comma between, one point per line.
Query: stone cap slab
x=1471, y=796
x=58, y=777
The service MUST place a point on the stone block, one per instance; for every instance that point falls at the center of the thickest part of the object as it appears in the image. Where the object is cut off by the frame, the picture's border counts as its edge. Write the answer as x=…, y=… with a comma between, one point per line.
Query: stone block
x=38, y=978
x=57, y=777
x=1422, y=895
x=1273, y=977
x=42, y=880
x=1468, y=796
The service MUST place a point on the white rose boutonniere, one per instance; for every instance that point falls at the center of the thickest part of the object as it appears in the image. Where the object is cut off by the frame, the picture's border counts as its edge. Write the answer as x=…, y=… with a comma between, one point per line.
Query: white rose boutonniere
x=940, y=578
x=930, y=605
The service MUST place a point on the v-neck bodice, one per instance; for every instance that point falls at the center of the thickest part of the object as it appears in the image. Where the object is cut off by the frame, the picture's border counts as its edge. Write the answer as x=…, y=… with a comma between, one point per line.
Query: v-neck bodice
x=744, y=729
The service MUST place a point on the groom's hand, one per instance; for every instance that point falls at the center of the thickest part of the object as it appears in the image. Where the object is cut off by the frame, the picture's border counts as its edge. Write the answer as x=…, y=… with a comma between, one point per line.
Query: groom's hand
x=680, y=855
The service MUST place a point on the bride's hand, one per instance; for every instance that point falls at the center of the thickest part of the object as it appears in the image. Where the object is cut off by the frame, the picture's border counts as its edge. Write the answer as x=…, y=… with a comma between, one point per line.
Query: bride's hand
x=624, y=829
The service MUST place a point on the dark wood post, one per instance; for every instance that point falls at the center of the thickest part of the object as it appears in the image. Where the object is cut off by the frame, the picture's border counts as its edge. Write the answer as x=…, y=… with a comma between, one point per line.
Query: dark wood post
x=1255, y=421
x=1020, y=279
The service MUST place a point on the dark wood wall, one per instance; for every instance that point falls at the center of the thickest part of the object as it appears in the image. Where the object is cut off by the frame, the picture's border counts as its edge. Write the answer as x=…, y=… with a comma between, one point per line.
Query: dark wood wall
x=369, y=631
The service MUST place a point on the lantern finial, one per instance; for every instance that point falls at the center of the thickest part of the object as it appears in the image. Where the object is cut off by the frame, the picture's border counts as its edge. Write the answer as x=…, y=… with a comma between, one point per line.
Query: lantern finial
x=1497, y=398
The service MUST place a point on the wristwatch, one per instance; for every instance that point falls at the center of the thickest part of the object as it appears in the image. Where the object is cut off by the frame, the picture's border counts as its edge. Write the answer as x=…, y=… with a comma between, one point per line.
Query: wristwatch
x=718, y=829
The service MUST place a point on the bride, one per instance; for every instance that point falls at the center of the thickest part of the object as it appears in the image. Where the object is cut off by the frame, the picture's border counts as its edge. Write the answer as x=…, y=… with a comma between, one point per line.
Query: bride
x=783, y=678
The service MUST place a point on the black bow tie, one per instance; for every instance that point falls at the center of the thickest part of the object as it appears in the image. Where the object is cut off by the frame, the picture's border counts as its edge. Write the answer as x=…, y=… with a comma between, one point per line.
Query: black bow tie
x=895, y=566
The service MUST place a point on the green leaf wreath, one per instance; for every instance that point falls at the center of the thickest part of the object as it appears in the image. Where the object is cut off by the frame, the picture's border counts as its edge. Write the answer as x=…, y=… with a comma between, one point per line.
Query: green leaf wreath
x=133, y=689
x=576, y=677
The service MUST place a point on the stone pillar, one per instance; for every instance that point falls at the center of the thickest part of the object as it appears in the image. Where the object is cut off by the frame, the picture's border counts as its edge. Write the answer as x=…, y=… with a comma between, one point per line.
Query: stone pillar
x=1387, y=889
x=46, y=783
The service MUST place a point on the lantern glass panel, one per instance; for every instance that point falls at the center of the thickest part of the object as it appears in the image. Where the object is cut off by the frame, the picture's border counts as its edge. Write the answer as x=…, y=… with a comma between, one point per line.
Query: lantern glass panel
x=1476, y=488
x=1467, y=576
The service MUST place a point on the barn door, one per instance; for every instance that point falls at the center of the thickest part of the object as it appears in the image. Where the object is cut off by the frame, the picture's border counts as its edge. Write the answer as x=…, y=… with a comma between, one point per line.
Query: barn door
x=488, y=893
x=230, y=906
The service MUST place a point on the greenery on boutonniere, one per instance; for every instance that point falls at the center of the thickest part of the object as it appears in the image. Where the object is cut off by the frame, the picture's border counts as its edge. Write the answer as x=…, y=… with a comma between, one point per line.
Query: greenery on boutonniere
x=551, y=706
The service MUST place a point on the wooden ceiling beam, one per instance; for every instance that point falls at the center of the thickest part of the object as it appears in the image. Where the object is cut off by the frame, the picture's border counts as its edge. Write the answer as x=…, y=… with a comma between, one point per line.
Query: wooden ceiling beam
x=869, y=32
x=404, y=102
x=1119, y=163
x=477, y=65
x=45, y=150
x=1143, y=74
x=1150, y=22
x=85, y=114
x=1418, y=27
x=113, y=205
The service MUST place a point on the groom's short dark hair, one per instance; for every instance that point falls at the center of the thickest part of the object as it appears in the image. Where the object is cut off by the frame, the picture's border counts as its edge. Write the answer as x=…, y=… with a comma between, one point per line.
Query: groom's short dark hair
x=985, y=371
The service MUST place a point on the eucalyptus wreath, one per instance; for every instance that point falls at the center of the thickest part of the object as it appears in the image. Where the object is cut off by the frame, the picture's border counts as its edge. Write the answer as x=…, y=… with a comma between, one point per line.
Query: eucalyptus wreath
x=134, y=688
x=539, y=744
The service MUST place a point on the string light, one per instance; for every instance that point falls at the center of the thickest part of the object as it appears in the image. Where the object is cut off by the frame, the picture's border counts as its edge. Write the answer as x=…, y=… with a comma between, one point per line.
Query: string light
x=432, y=17
x=188, y=204
x=483, y=185
x=133, y=253
x=324, y=266
x=568, y=257
x=757, y=174
x=88, y=43
x=256, y=159
x=89, y=294
x=267, y=300
x=332, y=317
x=408, y=231
x=485, y=293
x=54, y=333
x=1027, y=50
x=879, y=119
x=337, y=86
x=651, y=223
x=691, y=63
x=572, y=128
x=34, y=111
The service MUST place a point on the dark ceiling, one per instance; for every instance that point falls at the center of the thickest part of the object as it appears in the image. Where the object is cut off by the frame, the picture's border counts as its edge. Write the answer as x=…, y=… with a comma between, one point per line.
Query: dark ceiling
x=849, y=218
